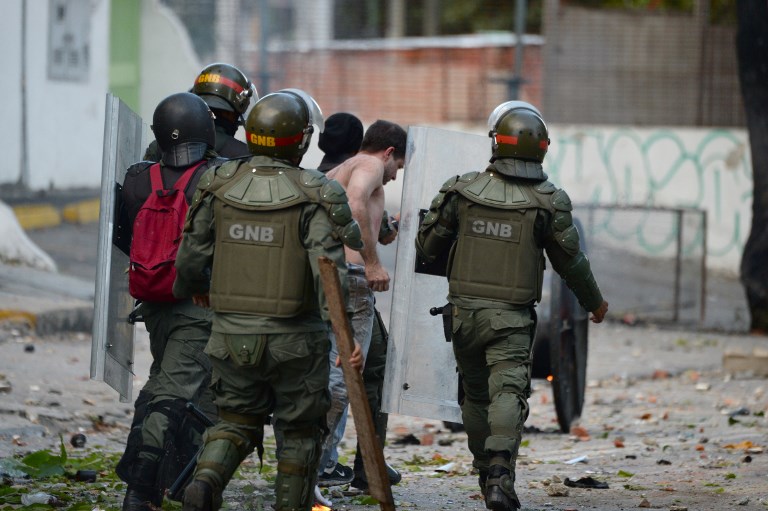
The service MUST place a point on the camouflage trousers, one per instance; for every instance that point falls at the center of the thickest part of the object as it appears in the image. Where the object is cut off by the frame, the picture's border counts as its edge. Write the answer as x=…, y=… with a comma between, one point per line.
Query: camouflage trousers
x=285, y=375
x=163, y=433
x=493, y=353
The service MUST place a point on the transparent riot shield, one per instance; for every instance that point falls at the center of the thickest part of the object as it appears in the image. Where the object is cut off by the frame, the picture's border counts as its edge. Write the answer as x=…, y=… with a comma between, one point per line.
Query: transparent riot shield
x=421, y=371
x=421, y=378
x=125, y=135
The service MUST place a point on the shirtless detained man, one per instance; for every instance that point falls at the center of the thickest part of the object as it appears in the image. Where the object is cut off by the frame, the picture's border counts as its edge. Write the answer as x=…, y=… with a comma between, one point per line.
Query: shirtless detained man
x=363, y=177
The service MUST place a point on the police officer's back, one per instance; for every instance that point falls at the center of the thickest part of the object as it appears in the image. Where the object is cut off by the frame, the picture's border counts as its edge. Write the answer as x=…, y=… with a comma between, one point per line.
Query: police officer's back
x=250, y=249
x=496, y=225
x=163, y=437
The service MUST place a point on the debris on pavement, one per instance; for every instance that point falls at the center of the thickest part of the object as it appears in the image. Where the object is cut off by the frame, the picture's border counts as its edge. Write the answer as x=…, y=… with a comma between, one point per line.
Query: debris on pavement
x=586, y=482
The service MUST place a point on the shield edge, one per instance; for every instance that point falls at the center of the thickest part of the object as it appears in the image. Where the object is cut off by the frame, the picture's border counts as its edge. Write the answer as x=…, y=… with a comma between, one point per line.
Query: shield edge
x=105, y=367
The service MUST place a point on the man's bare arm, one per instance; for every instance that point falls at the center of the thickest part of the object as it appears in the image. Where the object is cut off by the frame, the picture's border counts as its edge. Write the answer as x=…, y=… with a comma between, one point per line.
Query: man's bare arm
x=366, y=199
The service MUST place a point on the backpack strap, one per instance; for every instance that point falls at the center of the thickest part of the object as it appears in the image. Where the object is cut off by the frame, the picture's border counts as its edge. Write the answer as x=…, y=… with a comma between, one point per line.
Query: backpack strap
x=182, y=183
x=155, y=178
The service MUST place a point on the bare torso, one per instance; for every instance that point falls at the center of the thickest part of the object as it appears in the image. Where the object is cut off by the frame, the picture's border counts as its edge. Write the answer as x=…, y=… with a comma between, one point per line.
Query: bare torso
x=362, y=177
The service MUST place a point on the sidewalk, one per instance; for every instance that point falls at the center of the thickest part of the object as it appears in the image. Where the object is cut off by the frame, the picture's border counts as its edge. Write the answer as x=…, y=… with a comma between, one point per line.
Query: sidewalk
x=65, y=226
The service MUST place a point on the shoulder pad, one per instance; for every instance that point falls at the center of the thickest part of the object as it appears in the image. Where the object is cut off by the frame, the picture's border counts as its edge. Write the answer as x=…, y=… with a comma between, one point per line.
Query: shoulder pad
x=561, y=201
x=227, y=170
x=449, y=184
x=437, y=200
x=333, y=192
x=312, y=178
x=218, y=160
x=430, y=218
x=469, y=176
x=340, y=213
x=562, y=220
x=332, y=197
x=545, y=187
x=206, y=179
x=139, y=167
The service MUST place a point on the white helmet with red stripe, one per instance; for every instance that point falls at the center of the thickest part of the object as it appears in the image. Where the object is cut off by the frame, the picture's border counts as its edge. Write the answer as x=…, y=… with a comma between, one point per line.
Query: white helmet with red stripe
x=518, y=131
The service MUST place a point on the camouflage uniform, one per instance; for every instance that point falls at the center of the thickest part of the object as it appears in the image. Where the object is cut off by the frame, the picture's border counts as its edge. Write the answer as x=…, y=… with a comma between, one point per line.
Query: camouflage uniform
x=254, y=233
x=497, y=226
x=164, y=436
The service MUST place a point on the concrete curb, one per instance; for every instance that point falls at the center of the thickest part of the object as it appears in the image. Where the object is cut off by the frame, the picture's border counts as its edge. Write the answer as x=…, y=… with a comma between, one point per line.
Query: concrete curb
x=49, y=303
x=46, y=302
x=44, y=215
x=76, y=319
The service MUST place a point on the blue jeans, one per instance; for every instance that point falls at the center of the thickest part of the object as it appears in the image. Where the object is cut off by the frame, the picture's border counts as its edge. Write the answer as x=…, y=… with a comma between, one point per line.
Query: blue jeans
x=361, y=303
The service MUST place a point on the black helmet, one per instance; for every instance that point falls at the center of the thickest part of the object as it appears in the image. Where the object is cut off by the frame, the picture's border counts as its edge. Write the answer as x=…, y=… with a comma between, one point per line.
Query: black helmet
x=184, y=129
x=280, y=124
x=518, y=131
x=225, y=87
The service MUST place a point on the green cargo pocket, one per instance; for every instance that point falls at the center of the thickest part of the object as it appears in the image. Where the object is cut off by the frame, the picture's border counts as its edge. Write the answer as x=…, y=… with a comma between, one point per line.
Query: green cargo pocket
x=317, y=382
x=287, y=347
x=455, y=325
x=217, y=346
x=246, y=350
x=502, y=321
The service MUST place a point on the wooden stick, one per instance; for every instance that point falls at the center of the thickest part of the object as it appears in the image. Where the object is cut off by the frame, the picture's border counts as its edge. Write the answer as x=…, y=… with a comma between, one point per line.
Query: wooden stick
x=373, y=457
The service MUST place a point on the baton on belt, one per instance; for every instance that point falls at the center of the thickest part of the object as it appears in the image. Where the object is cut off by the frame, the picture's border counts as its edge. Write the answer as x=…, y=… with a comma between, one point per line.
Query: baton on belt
x=176, y=491
x=445, y=311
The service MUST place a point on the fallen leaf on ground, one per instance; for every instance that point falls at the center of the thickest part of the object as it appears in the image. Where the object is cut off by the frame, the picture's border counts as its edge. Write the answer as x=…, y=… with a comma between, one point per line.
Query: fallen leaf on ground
x=580, y=433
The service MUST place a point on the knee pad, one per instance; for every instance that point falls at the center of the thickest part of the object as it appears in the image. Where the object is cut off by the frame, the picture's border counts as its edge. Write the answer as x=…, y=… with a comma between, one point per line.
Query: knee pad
x=297, y=468
x=135, y=443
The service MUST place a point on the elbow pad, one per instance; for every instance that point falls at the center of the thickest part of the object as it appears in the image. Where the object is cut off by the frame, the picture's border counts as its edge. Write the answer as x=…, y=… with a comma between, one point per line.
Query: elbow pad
x=579, y=278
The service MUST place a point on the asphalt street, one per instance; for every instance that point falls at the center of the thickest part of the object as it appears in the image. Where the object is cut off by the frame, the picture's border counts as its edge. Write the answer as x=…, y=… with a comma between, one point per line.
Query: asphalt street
x=656, y=395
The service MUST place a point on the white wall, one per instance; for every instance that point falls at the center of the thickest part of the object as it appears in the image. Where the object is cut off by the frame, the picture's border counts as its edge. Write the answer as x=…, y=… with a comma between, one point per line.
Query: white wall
x=10, y=111
x=708, y=169
x=168, y=61
x=65, y=119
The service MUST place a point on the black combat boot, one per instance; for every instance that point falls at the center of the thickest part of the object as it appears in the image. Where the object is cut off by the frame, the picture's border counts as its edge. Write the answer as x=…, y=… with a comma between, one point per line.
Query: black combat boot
x=142, y=493
x=482, y=479
x=500, y=486
x=140, y=499
x=198, y=496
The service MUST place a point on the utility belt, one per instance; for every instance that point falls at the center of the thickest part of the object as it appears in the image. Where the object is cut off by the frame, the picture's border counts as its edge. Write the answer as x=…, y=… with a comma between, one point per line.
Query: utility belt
x=446, y=311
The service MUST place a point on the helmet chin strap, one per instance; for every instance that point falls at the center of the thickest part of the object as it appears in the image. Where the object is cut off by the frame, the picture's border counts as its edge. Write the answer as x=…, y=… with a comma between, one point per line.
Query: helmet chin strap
x=307, y=137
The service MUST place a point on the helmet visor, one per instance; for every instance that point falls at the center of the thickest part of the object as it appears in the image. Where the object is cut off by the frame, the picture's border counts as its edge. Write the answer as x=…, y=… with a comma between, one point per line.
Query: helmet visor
x=315, y=114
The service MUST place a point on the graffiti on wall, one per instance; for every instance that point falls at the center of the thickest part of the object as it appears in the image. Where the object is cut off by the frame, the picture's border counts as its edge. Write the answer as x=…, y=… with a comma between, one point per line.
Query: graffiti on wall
x=705, y=169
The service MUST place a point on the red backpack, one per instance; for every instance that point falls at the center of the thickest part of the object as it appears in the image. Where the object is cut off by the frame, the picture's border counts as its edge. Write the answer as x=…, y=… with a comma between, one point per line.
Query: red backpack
x=156, y=238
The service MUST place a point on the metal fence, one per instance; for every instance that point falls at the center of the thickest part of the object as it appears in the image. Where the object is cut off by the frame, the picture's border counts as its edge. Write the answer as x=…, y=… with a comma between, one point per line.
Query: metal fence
x=650, y=261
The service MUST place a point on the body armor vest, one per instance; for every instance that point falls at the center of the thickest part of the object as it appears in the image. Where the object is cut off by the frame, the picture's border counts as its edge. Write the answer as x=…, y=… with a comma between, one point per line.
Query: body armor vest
x=495, y=256
x=261, y=266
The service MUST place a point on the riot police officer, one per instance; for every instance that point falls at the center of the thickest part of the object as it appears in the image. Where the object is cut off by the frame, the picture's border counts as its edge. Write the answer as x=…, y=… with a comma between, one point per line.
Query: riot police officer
x=228, y=93
x=163, y=436
x=250, y=250
x=497, y=225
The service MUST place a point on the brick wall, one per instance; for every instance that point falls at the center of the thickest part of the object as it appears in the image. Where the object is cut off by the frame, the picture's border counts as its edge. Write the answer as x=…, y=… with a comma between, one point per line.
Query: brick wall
x=409, y=85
